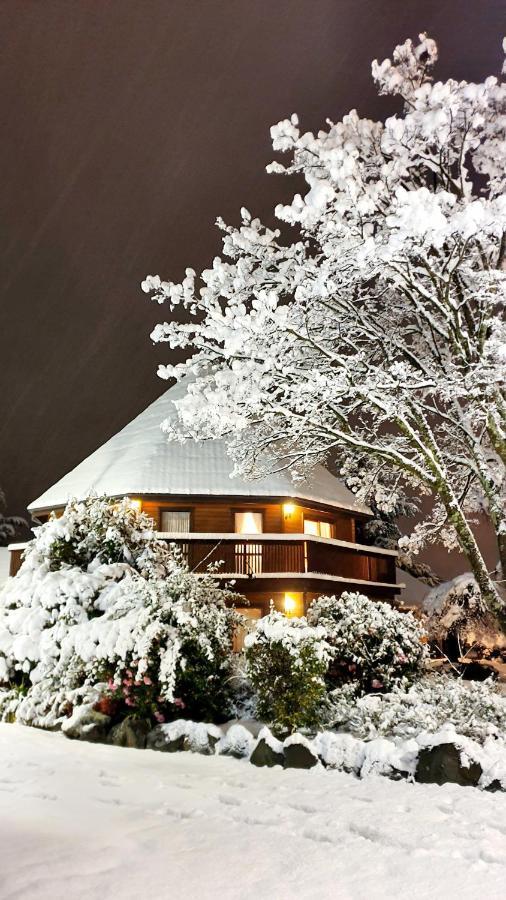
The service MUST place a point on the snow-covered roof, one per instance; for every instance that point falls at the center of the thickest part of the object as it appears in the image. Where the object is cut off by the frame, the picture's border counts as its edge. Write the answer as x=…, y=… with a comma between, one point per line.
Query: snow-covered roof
x=140, y=460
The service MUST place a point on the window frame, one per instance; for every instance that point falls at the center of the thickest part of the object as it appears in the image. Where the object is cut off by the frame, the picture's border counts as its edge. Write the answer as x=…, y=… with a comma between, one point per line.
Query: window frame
x=327, y=520
x=247, y=509
x=175, y=509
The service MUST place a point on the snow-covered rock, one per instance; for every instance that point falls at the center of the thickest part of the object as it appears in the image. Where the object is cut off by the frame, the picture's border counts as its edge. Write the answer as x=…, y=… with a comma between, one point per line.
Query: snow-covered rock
x=340, y=751
x=86, y=724
x=444, y=763
x=197, y=737
x=268, y=751
x=299, y=753
x=237, y=741
x=131, y=732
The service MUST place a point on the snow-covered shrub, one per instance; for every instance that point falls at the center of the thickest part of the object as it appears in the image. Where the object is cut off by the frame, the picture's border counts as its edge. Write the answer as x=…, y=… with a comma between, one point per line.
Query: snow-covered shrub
x=475, y=709
x=372, y=644
x=286, y=662
x=98, y=529
x=157, y=638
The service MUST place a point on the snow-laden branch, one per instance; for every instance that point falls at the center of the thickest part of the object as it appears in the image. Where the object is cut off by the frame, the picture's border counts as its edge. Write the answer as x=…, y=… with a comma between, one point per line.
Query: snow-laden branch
x=377, y=336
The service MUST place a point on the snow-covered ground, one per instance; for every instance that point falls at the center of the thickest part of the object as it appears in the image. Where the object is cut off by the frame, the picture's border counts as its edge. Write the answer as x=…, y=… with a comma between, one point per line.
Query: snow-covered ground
x=91, y=821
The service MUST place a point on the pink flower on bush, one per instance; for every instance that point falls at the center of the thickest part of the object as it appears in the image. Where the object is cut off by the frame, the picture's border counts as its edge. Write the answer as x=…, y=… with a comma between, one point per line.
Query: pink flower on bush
x=376, y=685
x=147, y=680
x=129, y=701
x=159, y=717
x=179, y=703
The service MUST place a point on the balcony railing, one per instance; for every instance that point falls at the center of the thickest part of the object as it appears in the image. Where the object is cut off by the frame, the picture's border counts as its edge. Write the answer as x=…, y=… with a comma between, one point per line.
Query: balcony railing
x=255, y=555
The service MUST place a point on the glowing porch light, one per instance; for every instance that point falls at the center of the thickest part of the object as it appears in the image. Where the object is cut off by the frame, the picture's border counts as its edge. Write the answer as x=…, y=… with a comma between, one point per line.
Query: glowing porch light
x=288, y=509
x=134, y=503
x=290, y=604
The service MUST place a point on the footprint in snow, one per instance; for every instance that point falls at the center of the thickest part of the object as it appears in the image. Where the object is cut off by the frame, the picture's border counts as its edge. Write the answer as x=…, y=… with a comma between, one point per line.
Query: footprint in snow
x=111, y=801
x=303, y=807
x=253, y=820
x=375, y=836
x=40, y=795
x=318, y=837
x=229, y=801
x=178, y=814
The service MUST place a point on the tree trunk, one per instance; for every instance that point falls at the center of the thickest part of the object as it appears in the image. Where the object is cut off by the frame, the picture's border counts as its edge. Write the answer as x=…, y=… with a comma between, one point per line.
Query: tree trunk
x=471, y=550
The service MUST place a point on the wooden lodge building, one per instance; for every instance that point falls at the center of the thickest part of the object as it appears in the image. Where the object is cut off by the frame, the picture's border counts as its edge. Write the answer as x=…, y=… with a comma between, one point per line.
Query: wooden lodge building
x=275, y=539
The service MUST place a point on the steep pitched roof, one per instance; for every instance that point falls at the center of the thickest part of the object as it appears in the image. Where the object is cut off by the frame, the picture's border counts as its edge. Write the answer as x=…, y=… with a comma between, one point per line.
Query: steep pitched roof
x=140, y=460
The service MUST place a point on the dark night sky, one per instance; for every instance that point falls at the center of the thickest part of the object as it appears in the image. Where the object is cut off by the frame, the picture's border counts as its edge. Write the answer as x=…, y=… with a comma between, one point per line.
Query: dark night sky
x=128, y=126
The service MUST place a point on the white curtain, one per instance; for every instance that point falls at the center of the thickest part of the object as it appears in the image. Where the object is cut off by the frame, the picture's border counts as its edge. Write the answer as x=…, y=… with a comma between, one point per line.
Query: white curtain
x=176, y=521
x=318, y=527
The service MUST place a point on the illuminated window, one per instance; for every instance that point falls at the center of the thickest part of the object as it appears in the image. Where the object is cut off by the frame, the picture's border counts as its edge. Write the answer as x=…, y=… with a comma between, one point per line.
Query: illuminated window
x=248, y=523
x=293, y=604
x=290, y=604
x=319, y=528
x=248, y=557
x=176, y=521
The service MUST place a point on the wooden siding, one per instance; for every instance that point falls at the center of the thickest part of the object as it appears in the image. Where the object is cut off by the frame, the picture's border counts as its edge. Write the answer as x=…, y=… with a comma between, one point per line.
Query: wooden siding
x=210, y=516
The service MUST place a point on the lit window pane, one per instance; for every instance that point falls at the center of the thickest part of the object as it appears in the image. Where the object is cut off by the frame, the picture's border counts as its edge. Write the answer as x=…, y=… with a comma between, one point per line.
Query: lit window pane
x=318, y=527
x=311, y=526
x=248, y=523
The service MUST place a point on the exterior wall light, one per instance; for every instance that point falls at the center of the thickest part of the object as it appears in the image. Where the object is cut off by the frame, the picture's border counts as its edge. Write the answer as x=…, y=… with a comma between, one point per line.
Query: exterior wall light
x=288, y=509
x=135, y=503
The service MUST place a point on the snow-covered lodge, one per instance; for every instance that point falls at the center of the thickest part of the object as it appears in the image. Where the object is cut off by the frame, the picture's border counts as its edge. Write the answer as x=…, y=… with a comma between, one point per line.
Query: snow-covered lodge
x=275, y=539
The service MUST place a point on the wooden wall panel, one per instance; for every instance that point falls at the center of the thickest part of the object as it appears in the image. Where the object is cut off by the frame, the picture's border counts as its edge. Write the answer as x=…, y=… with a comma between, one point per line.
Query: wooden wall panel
x=218, y=516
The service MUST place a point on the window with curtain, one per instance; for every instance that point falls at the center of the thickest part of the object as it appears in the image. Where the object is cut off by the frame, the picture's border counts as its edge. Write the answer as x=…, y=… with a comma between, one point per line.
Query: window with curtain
x=176, y=521
x=319, y=527
x=248, y=557
x=248, y=522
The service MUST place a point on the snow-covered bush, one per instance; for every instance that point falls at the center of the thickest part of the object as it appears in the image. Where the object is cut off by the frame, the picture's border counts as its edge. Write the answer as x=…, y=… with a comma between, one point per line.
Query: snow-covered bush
x=475, y=709
x=286, y=662
x=98, y=604
x=96, y=529
x=373, y=645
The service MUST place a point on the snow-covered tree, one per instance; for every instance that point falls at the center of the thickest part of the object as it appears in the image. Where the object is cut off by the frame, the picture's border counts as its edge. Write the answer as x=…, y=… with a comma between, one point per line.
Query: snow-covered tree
x=9, y=525
x=377, y=335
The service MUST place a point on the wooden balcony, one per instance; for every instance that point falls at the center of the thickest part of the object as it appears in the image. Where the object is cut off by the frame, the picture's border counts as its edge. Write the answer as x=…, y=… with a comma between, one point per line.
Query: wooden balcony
x=263, y=556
